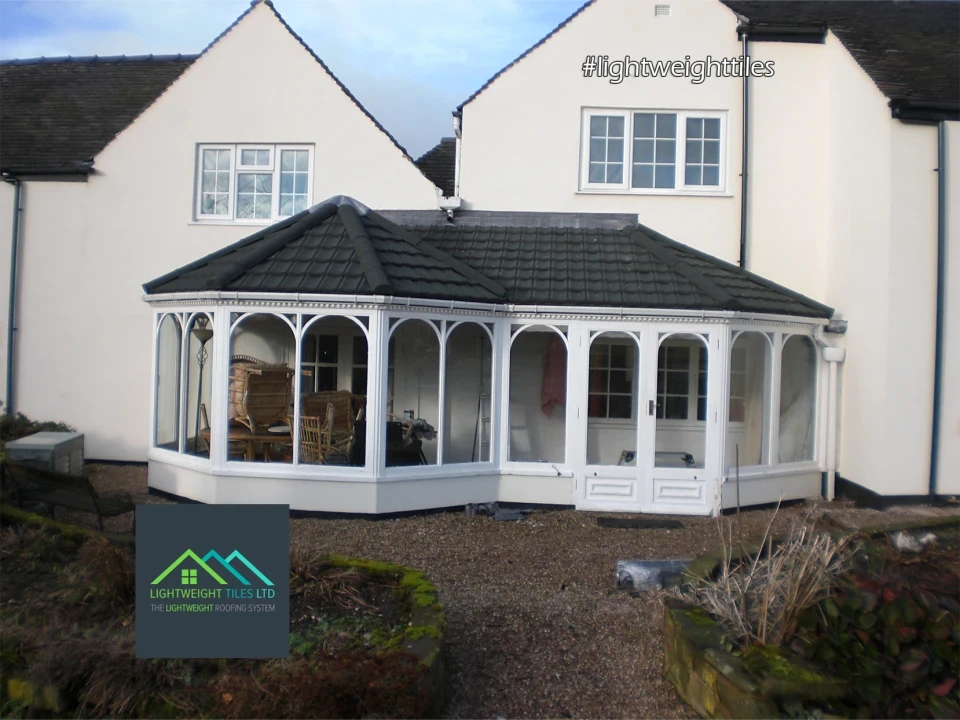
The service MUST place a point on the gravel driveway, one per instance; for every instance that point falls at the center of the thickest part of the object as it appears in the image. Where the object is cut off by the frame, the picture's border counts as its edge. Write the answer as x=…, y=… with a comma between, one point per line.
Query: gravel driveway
x=535, y=626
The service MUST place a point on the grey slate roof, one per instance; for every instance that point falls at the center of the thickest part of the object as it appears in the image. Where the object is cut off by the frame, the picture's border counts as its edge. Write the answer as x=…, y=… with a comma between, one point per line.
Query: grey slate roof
x=342, y=247
x=910, y=48
x=58, y=112
x=439, y=165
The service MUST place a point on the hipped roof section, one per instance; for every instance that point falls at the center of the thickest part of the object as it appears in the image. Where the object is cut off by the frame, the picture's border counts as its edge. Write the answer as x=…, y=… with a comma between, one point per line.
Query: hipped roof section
x=341, y=247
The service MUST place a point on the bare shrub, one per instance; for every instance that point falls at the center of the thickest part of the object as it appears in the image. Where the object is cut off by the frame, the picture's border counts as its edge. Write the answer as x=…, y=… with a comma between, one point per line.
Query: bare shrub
x=110, y=570
x=758, y=598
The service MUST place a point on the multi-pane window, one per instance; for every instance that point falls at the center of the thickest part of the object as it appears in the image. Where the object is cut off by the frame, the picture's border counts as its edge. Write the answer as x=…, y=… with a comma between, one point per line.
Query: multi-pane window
x=215, y=181
x=606, y=149
x=682, y=381
x=738, y=384
x=318, y=363
x=294, y=181
x=188, y=577
x=702, y=384
x=654, y=150
x=611, y=380
x=703, y=152
x=358, y=379
x=669, y=151
x=254, y=195
x=253, y=182
x=673, y=382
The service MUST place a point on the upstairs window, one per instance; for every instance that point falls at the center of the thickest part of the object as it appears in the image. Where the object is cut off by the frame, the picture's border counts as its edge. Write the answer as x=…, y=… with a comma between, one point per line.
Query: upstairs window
x=657, y=152
x=253, y=183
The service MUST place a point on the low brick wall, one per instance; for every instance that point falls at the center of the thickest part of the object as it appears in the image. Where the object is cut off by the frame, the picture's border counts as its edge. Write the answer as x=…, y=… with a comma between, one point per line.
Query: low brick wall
x=717, y=684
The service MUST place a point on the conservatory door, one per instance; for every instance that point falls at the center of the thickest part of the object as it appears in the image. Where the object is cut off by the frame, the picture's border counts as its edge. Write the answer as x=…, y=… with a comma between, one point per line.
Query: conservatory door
x=680, y=423
x=613, y=475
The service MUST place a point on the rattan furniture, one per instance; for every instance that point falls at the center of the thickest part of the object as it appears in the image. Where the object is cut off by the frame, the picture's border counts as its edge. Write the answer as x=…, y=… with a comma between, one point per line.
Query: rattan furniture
x=260, y=394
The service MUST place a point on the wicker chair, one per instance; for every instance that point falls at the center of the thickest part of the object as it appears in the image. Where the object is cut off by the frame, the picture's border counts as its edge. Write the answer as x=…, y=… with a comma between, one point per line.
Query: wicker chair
x=234, y=448
x=260, y=394
x=315, y=436
x=344, y=413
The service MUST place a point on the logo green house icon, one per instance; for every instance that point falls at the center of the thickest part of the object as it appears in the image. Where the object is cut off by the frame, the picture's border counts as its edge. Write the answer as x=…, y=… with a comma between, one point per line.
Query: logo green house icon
x=188, y=576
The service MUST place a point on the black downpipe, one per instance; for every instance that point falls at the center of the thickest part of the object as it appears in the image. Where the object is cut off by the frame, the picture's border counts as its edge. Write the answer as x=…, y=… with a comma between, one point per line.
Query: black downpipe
x=11, y=303
x=744, y=154
x=941, y=298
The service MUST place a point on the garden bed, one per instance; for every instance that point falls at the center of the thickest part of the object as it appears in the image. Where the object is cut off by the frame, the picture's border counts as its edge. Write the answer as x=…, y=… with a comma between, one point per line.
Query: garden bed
x=365, y=639
x=881, y=640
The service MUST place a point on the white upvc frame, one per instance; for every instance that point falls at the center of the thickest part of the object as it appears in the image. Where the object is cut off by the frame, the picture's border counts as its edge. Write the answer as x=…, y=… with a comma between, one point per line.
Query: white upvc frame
x=721, y=330
x=274, y=169
x=198, y=182
x=680, y=187
x=776, y=339
x=585, y=116
x=560, y=468
x=443, y=325
x=255, y=168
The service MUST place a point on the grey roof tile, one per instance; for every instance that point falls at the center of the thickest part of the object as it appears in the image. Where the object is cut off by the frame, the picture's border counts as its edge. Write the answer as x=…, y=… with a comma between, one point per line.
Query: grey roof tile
x=636, y=267
x=56, y=113
x=439, y=164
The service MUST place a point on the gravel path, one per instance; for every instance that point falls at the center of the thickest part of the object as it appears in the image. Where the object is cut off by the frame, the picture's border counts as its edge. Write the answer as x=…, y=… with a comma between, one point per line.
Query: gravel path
x=535, y=626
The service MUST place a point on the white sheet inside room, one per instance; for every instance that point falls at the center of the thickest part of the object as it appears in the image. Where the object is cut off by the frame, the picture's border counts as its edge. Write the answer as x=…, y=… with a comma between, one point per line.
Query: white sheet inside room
x=538, y=394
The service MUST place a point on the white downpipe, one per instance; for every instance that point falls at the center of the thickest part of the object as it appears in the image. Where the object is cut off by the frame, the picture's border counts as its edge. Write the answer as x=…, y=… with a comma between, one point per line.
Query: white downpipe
x=834, y=356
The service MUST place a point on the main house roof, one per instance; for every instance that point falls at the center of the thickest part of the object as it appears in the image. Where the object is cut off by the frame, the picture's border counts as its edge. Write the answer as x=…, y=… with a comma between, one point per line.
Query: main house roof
x=439, y=165
x=342, y=247
x=909, y=48
x=56, y=113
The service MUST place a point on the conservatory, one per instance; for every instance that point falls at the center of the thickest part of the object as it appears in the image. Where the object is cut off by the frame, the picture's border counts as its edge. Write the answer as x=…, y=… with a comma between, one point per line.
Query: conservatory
x=338, y=361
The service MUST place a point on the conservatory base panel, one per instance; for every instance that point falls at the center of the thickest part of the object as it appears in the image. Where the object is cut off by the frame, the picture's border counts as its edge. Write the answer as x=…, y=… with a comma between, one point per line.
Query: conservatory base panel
x=392, y=495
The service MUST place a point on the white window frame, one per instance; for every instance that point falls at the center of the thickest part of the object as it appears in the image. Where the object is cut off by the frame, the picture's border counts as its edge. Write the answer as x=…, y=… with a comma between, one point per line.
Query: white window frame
x=585, y=149
x=198, y=183
x=236, y=168
x=680, y=187
x=607, y=419
x=693, y=383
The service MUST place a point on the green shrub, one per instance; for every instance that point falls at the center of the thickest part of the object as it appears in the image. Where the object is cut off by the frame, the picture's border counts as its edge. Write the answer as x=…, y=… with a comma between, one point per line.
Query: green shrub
x=17, y=425
x=898, y=647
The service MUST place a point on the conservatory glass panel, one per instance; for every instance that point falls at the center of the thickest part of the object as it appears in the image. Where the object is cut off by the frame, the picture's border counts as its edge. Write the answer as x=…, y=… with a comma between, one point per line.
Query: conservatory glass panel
x=612, y=400
x=260, y=390
x=798, y=390
x=196, y=421
x=468, y=385
x=747, y=419
x=413, y=391
x=538, y=396
x=168, y=384
x=333, y=361
x=681, y=429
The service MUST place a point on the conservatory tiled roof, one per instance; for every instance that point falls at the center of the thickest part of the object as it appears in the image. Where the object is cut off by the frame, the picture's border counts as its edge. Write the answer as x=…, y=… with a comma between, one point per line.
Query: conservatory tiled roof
x=342, y=247
x=338, y=247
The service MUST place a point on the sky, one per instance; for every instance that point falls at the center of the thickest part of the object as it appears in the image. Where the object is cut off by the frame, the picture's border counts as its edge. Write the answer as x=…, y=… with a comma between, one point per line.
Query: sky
x=410, y=62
